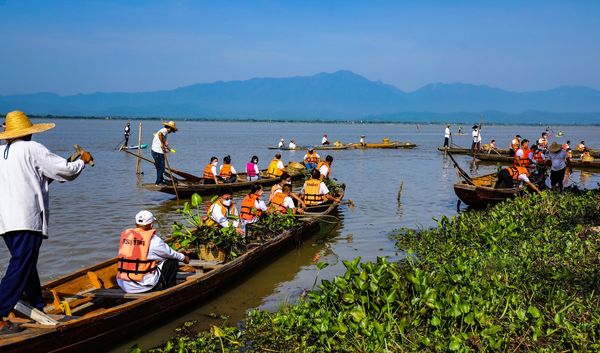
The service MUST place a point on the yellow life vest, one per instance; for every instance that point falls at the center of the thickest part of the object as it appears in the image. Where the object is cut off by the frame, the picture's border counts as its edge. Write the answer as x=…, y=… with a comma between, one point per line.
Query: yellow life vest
x=226, y=211
x=328, y=168
x=274, y=171
x=132, y=259
x=312, y=192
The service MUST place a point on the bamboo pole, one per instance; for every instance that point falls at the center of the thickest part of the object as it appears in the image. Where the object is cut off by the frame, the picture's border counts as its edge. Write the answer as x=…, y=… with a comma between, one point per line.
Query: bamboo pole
x=138, y=169
x=172, y=179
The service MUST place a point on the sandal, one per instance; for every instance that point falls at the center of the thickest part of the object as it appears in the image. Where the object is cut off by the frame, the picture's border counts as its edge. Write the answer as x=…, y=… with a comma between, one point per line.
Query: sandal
x=10, y=328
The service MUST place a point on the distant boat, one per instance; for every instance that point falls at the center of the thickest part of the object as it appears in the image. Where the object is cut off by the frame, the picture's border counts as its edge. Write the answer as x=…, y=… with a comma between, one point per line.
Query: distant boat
x=142, y=146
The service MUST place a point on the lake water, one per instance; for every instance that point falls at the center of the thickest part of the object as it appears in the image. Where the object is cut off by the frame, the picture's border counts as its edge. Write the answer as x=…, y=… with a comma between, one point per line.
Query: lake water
x=88, y=214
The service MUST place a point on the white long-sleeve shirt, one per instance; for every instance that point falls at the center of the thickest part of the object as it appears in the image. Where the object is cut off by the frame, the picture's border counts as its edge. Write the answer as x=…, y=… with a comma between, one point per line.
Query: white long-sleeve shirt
x=24, y=177
x=159, y=251
x=217, y=216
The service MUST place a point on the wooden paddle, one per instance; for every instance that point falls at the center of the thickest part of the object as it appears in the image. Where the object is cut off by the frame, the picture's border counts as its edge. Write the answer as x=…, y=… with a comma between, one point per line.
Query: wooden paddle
x=461, y=172
x=186, y=176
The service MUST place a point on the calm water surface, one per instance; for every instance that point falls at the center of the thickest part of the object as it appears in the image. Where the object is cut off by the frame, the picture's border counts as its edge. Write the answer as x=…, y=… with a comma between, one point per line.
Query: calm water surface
x=87, y=215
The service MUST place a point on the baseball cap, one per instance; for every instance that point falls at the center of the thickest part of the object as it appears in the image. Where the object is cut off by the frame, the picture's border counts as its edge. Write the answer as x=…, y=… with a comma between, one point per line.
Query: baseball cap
x=144, y=218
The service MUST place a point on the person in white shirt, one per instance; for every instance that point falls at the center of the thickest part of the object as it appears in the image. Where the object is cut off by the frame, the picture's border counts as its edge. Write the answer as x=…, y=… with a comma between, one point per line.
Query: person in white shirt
x=314, y=191
x=281, y=143
x=227, y=173
x=160, y=146
x=362, y=140
x=26, y=170
x=476, y=145
x=282, y=201
x=324, y=140
x=145, y=262
x=223, y=208
x=447, y=135
x=127, y=132
x=292, y=145
x=252, y=206
x=324, y=167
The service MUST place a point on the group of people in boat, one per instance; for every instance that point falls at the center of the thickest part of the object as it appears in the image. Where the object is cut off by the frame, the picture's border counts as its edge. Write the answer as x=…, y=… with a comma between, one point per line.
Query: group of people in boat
x=475, y=135
x=292, y=145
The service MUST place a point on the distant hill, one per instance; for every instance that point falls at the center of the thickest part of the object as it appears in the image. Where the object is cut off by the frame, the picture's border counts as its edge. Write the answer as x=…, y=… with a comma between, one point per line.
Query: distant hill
x=342, y=95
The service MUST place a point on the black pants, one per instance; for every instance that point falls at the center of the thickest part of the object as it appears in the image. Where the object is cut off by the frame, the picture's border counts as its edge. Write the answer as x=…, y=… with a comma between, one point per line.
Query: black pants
x=159, y=163
x=504, y=180
x=557, y=177
x=446, y=140
x=511, y=152
x=231, y=179
x=168, y=275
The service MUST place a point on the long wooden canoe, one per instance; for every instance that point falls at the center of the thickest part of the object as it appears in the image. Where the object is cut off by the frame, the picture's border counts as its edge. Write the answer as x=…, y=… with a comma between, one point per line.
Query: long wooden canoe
x=102, y=313
x=305, y=148
x=504, y=151
x=481, y=193
x=384, y=145
x=575, y=163
x=186, y=189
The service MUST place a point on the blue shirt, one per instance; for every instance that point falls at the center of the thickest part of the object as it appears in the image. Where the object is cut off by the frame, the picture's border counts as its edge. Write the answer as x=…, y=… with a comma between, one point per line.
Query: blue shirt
x=558, y=160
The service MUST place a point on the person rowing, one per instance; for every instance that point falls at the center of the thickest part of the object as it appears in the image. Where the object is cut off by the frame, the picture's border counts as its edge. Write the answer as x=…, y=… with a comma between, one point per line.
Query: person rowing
x=26, y=170
x=510, y=175
x=227, y=173
x=210, y=171
x=160, y=146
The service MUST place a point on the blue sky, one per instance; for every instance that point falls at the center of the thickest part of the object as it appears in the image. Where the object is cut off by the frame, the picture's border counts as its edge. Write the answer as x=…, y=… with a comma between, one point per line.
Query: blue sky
x=70, y=47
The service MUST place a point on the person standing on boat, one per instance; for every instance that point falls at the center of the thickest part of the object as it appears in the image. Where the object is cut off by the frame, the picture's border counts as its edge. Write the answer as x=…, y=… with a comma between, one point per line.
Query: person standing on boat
x=227, y=173
x=447, y=135
x=252, y=171
x=223, y=208
x=515, y=144
x=276, y=167
x=160, y=146
x=476, y=145
x=127, y=132
x=558, y=157
x=210, y=172
x=324, y=140
x=145, y=262
x=311, y=159
x=509, y=175
x=324, y=167
x=26, y=169
x=315, y=192
x=362, y=141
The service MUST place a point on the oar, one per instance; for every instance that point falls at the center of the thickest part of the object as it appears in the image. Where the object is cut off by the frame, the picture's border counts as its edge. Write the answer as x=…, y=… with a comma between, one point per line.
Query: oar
x=347, y=202
x=187, y=176
x=462, y=173
x=171, y=175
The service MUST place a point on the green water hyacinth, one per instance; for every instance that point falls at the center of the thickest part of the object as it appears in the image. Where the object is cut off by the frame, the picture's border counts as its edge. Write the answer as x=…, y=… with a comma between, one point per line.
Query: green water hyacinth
x=523, y=276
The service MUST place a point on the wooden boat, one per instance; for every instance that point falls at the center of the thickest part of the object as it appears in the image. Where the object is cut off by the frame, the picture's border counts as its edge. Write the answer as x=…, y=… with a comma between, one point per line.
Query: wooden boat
x=481, y=193
x=504, y=151
x=575, y=163
x=384, y=144
x=186, y=189
x=305, y=148
x=101, y=312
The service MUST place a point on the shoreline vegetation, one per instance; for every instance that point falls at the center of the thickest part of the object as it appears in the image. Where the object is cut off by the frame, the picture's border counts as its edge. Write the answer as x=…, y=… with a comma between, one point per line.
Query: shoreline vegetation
x=521, y=276
x=466, y=123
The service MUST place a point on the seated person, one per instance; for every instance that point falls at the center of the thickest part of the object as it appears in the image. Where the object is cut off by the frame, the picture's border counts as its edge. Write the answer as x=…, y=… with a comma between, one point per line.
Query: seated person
x=286, y=179
x=282, y=201
x=586, y=156
x=145, y=262
x=324, y=167
x=315, y=192
x=509, y=175
x=276, y=167
x=292, y=145
x=252, y=171
x=311, y=159
x=252, y=206
x=324, y=140
x=221, y=210
x=210, y=172
x=227, y=173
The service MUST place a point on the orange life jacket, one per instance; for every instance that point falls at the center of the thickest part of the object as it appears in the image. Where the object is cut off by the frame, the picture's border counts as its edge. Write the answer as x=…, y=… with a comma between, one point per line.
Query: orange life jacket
x=515, y=145
x=208, y=174
x=225, y=171
x=525, y=161
x=132, y=259
x=538, y=157
x=312, y=192
x=328, y=168
x=311, y=158
x=248, y=211
x=516, y=171
x=569, y=153
x=274, y=171
x=226, y=211
x=277, y=202
x=274, y=189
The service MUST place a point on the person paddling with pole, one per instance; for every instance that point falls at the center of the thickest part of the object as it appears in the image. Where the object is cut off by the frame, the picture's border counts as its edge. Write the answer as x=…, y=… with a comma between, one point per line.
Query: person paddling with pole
x=26, y=169
x=160, y=146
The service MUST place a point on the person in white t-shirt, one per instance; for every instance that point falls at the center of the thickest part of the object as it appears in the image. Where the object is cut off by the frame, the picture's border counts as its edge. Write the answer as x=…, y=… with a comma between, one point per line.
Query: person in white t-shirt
x=315, y=192
x=282, y=201
x=160, y=146
x=281, y=143
x=476, y=145
x=324, y=140
x=292, y=145
x=447, y=135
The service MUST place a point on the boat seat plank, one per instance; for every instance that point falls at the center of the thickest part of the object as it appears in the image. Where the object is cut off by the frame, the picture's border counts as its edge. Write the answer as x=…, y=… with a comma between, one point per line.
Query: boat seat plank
x=116, y=293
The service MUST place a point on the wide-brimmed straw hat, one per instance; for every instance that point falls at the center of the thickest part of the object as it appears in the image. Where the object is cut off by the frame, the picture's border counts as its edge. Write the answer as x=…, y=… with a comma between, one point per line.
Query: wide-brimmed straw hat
x=19, y=125
x=555, y=147
x=170, y=124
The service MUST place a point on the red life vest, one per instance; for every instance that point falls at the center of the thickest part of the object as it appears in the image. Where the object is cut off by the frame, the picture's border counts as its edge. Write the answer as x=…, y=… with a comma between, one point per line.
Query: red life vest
x=277, y=202
x=328, y=168
x=208, y=174
x=250, y=171
x=525, y=161
x=225, y=171
x=248, y=211
x=516, y=171
x=538, y=157
x=132, y=259
x=312, y=192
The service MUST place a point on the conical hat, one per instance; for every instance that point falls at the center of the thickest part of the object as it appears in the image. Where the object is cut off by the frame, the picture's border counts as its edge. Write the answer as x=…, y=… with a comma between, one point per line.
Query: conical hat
x=19, y=125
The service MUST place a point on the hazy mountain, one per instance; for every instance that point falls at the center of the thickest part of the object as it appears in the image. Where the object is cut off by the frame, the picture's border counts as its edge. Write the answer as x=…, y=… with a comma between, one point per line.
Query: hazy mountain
x=328, y=96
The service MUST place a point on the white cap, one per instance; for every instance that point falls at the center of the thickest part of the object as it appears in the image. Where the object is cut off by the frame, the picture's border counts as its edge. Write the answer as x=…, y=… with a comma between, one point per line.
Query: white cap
x=144, y=218
x=281, y=140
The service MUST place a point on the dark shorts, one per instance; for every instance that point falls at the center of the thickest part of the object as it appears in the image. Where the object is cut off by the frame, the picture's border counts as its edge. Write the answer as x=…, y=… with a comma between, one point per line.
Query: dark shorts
x=505, y=180
x=557, y=176
x=446, y=140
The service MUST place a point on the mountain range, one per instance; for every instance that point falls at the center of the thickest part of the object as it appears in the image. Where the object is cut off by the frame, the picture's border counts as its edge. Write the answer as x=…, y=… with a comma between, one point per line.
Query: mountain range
x=342, y=95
